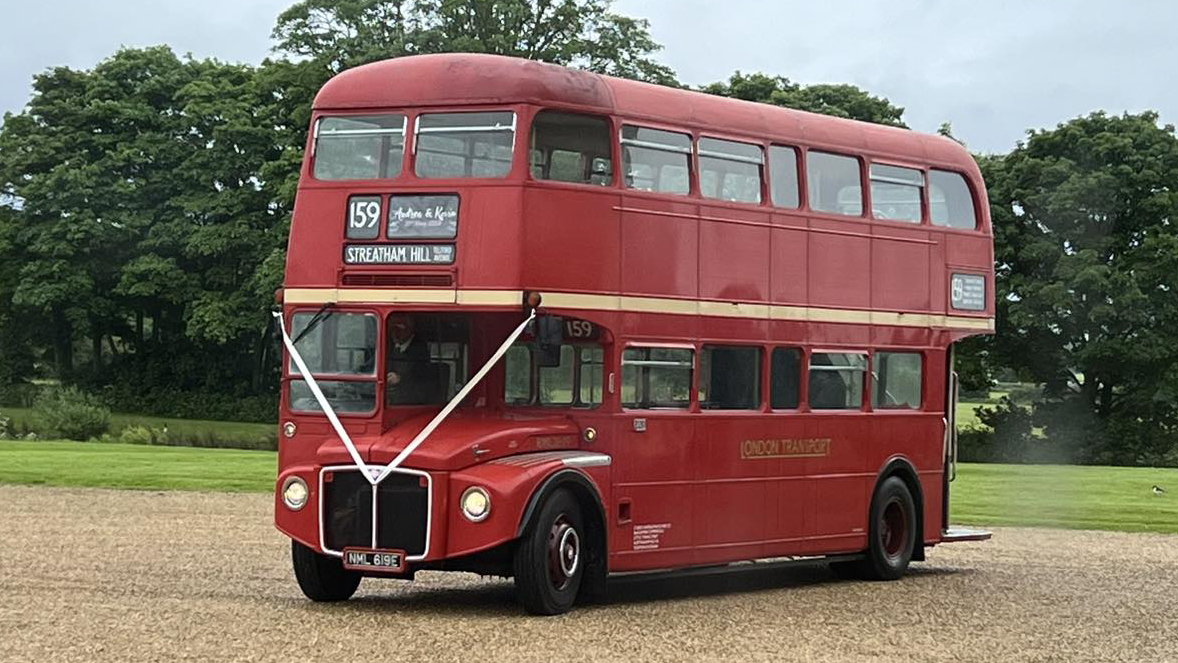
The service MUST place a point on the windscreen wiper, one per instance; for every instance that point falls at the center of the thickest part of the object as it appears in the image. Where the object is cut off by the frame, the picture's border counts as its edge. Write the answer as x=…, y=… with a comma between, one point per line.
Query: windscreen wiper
x=315, y=320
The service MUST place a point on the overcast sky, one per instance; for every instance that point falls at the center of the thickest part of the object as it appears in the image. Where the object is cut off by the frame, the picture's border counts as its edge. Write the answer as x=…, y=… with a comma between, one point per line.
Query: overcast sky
x=992, y=69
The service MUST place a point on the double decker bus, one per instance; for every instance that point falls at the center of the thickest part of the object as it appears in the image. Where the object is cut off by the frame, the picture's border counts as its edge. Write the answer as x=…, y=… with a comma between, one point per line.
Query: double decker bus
x=552, y=325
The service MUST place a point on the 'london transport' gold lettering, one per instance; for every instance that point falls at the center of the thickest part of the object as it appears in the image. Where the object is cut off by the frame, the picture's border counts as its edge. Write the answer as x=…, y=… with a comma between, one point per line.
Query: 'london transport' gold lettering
x=811, y=447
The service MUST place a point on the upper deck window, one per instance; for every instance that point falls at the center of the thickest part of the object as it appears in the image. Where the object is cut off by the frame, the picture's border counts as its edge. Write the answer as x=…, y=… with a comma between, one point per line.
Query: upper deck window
x=656, y=160
x=783, y=174
x=730, y=171
x=895, y=193
x=835, y=183
x=464, y=144
x=570, y=147
x=359, y=147
x=950, y=203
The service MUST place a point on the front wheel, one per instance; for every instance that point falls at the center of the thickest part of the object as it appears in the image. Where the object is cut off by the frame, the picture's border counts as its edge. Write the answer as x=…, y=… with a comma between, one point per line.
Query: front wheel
x=891, y=535
x=550, y=560
x=322, y=577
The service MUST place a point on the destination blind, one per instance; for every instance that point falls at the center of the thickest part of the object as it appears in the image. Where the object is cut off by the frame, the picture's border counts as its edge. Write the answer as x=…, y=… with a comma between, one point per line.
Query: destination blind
x=399, y=254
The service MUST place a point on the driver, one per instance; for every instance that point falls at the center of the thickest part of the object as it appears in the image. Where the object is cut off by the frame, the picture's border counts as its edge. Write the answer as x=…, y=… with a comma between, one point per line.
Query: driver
x=408, y=362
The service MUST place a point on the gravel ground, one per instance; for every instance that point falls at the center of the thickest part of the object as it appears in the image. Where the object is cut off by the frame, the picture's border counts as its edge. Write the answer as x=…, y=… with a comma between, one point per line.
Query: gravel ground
x=141, y=576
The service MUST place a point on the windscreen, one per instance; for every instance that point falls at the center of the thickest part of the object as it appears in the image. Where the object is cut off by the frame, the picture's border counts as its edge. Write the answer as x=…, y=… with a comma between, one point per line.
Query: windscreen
x=339, y=350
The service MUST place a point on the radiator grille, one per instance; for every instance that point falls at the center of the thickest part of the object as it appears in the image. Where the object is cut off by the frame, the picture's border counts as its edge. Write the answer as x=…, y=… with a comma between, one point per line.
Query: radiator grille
x=402, y=512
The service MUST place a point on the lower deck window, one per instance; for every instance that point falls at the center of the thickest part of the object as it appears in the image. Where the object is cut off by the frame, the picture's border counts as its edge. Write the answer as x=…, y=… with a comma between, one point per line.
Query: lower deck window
x=896, y=380
x=836, y=380
x=576, y=382
x=785, y=378
x=657, y=377
x=730, y=378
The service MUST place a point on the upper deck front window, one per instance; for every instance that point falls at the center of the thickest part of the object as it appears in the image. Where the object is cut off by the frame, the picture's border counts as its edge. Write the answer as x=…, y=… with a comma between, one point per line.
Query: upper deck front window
x=359, y=147
x=464, y=144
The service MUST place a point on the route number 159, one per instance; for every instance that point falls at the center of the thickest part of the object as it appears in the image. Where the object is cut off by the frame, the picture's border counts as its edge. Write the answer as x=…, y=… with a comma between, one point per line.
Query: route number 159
x=363, y=217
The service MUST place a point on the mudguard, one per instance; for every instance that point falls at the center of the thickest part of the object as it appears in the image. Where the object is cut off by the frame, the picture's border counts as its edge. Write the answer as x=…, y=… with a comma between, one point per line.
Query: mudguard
x=516, y=485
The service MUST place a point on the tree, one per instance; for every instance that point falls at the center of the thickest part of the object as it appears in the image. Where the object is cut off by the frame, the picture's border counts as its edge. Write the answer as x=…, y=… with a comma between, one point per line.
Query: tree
x=147, y=228
x=16, y=329
x=838, y=100
x=337, y=34
x=1086, y=252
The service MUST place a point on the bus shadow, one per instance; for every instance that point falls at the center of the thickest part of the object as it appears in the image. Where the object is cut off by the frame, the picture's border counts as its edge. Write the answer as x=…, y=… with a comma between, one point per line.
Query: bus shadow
x=735, y=580
x=497, y=597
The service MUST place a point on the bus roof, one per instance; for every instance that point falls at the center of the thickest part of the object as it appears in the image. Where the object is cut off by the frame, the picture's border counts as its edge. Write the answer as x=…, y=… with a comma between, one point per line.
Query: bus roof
x=470, y=79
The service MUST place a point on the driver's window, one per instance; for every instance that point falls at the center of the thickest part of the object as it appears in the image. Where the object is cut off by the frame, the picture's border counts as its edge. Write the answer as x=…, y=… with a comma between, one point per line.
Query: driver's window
x=426, y=358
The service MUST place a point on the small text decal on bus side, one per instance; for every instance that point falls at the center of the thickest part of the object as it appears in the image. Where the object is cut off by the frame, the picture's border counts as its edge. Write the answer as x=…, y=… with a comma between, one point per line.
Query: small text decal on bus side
x=646, y=537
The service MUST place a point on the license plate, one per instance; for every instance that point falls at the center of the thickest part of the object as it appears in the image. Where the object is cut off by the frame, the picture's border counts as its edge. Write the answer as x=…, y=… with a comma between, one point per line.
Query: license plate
x=368, y=559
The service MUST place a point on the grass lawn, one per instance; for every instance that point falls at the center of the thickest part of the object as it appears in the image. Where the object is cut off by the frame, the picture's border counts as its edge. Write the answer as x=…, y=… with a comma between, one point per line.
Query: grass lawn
x=967, y=414
x=1114, y=498
x=1075, y=497
x=182, y=428
x=135, y=466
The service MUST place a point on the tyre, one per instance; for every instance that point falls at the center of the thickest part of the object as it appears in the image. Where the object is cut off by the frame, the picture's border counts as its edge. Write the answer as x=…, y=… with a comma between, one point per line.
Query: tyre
x=550, y=559
x=322, y=577
x=891, y=535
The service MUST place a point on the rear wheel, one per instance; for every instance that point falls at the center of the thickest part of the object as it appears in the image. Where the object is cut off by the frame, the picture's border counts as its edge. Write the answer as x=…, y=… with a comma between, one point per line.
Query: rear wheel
x=891, y=535
x=322, y=577
x=550, y=560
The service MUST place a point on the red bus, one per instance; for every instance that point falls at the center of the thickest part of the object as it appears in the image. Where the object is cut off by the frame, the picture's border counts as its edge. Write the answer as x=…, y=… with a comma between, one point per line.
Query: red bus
x=552, y=325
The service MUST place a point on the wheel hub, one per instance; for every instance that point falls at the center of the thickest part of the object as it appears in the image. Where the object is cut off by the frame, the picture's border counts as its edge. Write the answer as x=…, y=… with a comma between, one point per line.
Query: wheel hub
x=564, y=552
x=893, y=529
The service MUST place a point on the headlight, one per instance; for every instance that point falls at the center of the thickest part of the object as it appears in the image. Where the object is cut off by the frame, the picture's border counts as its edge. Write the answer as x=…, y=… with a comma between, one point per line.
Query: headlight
x=294, y=493
x=476, y=504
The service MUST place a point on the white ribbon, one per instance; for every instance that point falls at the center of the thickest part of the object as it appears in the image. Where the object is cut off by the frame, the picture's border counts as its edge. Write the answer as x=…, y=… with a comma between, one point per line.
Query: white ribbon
x=425, y=432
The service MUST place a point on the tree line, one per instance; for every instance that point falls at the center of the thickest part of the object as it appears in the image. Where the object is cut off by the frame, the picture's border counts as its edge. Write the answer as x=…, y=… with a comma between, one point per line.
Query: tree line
x=145, y=203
